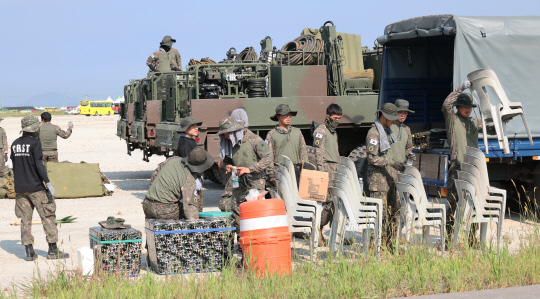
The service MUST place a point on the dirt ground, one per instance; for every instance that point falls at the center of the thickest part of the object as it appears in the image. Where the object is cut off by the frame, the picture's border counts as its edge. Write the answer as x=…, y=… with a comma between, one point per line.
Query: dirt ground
x=94, y=140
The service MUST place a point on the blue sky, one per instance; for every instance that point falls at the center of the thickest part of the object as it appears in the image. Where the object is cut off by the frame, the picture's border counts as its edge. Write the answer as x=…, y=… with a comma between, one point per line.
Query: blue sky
x=78, y=48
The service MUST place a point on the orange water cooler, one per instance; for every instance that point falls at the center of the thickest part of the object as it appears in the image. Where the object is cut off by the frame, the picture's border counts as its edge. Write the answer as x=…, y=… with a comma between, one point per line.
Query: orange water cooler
x=265, y=236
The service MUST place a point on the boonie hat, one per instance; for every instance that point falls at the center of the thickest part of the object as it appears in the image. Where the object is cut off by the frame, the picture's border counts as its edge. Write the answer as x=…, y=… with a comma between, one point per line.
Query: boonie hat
x=402, y=105
x=30, y=124
x=114, y=223
x=230, y=124
x=168, y=41
x=389, y=111
x=282, y=109
x=465, y=99
x=198, y=160
x=186, y=122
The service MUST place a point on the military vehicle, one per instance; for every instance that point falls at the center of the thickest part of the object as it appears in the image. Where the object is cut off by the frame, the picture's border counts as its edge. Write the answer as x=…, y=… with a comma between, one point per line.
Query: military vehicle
x=307, y=74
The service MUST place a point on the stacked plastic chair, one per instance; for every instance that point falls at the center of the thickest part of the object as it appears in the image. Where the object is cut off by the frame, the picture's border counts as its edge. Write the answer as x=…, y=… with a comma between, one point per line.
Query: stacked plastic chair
x=500, y=113
x=361, y=213
x=417, y=210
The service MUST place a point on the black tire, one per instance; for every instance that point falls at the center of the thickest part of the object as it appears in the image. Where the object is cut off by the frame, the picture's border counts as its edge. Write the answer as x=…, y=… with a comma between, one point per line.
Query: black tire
x=359, y=157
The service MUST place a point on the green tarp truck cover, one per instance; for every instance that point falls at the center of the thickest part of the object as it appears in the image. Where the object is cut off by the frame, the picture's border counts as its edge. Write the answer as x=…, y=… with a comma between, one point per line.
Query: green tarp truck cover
x=508, y=45
x=75, y=180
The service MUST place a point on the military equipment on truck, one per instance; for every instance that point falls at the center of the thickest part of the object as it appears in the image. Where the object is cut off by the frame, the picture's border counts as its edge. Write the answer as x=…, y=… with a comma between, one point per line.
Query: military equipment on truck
x=306, y=74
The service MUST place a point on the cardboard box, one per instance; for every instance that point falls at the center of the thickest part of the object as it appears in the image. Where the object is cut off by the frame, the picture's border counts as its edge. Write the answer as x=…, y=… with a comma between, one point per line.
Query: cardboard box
x=313, y=185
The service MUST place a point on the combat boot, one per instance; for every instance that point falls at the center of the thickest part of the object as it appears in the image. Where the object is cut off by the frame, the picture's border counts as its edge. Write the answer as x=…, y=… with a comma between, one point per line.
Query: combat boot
x=55, y=253
x=30, y=254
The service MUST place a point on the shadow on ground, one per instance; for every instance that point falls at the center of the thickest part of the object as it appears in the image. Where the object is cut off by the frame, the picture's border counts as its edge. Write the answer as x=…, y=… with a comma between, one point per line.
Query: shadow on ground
x=16, y=248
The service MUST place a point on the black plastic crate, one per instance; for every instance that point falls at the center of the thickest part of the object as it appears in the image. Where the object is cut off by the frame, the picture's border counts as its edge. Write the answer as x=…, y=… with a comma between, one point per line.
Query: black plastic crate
x=119, y=250
x=181, y=246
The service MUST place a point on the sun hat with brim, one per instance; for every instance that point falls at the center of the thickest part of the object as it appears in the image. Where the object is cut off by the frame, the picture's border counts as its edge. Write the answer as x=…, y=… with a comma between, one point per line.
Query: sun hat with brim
x=30, y=124
x=186, y=122
x=198, y=160
x=465, y=99
x=403, y=105
x=389, y=111
x=168, y=41
x=230, y=124
x=282, y=109
x=114, y=223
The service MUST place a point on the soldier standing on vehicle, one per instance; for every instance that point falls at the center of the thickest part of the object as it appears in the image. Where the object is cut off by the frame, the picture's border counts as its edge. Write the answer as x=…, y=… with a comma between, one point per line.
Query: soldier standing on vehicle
x=243, y=149
x=189, y=130
x=462, y=131
x=172, y=181
x=48, y=134
x=165, y=59
x=325, y=141
x=382, y=169
x=401, y=150
x=3, y=147
x=29, y=173
x=287, y=140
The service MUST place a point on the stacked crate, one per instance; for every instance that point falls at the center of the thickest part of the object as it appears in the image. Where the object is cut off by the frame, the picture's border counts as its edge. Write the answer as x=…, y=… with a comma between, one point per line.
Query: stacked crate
x=117, y=250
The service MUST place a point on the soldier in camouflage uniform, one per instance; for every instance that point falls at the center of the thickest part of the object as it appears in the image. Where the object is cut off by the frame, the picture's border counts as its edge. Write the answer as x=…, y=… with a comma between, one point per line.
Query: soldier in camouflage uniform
x=382, y=169
x=4, y=148
x=462, y=131
x=29, y=173
x=173, y=181
x=243, y=149
x=48, y=134
x=165, y=59
x=402, y=149
x=287, y=140
x=325, y=142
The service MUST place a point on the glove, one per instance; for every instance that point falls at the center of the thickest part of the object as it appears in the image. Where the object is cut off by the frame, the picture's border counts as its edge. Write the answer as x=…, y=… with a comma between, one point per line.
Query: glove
x=70, y=125
x=50, y=187
x=199, y=184
x=466, y=84
x=399, y=166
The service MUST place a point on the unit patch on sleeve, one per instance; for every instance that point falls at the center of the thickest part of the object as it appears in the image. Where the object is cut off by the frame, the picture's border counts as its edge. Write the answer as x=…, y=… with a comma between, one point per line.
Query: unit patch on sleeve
x=373, y=141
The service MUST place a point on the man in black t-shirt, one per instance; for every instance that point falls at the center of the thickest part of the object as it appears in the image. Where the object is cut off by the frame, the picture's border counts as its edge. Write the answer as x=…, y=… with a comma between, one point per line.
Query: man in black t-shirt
x=29, y=173
x=189, y=130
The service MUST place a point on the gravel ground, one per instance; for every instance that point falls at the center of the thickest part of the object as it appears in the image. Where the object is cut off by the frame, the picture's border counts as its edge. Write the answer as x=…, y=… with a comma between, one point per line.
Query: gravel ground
x=94, y=140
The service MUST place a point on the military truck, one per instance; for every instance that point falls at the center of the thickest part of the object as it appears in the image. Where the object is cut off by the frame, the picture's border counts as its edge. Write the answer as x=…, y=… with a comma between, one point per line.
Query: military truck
x=307, y=79
x=426, y=57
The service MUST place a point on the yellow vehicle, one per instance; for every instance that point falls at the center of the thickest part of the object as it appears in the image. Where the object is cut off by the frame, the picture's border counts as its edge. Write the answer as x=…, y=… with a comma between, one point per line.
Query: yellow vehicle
x=50, y=109
x=96, y=108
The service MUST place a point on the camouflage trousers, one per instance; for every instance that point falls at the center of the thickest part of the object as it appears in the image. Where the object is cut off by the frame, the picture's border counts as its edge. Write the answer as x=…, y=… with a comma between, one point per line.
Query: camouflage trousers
x=226, y=197
x=50, y=156
x=328, y=211
x=46, y=208
x=158, y=210
x=391, y=207
x=2, y=166
x=239, y=196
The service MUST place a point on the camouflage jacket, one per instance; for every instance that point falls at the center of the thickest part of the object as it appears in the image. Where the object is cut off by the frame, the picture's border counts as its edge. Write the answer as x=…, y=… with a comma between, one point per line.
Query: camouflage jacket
x=321, y=152
x=5, y=146
x=460, y=131
x=380, y=174
x=401, y=149
x=294, y=149
x=171, y=182
x=174, y=56
x=263, y=154
x=48, y=134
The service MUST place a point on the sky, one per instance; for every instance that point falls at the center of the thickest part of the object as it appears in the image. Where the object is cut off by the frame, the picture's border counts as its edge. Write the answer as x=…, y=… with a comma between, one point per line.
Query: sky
x=55, y=49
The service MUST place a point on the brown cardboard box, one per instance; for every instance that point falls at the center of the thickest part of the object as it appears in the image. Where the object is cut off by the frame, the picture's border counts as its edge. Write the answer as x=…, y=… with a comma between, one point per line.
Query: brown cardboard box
x=313, y=185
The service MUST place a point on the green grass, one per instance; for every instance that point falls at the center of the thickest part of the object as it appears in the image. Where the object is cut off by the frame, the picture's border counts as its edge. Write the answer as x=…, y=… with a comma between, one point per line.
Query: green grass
x=37, y=113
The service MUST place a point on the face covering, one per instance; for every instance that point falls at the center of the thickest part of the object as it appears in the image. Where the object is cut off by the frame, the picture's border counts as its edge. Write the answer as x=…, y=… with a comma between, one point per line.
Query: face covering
x=331, y=124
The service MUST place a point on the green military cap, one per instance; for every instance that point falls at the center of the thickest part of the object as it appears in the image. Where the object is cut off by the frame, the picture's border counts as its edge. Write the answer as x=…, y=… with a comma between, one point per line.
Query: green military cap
x=30, y=123
x=402, y=105
x=282, y=109
x=230, y=124
x=389, y=111
x=198, y=160
x=168, y=41
x=114, y=223
x=465, y=99
x=188, y=121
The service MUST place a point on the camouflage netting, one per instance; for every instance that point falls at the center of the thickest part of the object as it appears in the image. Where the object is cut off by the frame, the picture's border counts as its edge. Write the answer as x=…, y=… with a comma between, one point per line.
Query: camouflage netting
x=205, y=60
x=360, y=74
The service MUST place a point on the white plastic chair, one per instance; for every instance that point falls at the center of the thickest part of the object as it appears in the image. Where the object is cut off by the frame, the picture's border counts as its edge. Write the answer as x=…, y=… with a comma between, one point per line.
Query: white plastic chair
x=499, y=113
x=289, y=167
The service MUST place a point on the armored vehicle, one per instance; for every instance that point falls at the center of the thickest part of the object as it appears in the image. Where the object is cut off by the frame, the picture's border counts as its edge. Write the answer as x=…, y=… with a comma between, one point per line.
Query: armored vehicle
x=306, y=74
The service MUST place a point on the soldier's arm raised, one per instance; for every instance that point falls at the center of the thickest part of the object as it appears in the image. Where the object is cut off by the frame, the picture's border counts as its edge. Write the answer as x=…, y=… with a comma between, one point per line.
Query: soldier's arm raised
x=62, y=133
x=319, y=139
x=189, y=191
x=448, y=108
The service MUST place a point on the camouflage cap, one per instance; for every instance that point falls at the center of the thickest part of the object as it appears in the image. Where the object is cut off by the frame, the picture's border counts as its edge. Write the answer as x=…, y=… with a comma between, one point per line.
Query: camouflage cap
x=389, y=111
x=402, y=105
x=168, y=41
x=230, y=124
x=186, y=122
x=465, y=99
x=282, y=109
x=30, y=123
x=198, y=160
